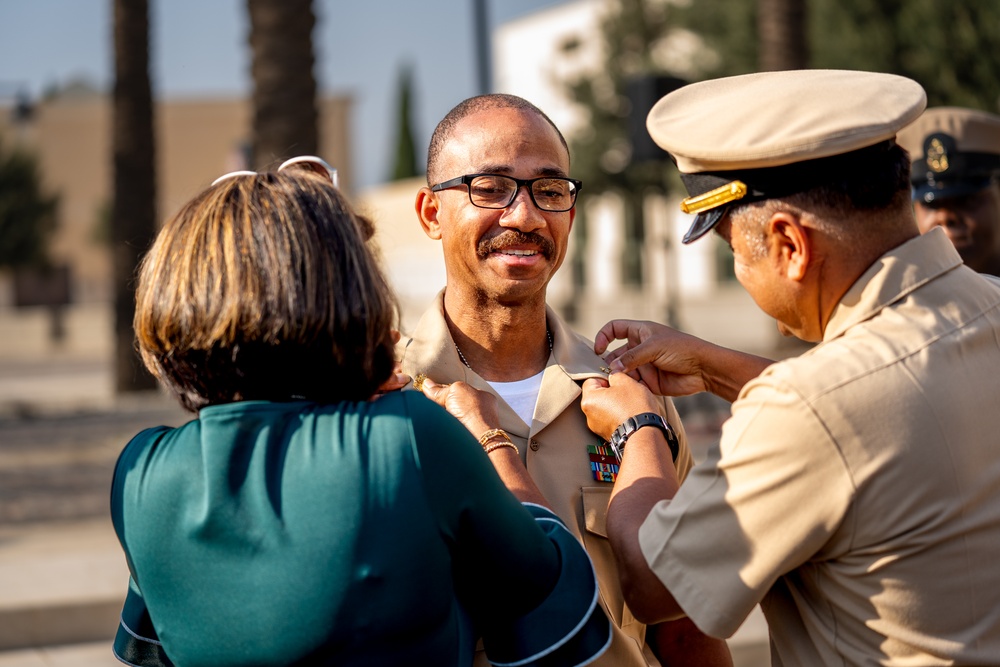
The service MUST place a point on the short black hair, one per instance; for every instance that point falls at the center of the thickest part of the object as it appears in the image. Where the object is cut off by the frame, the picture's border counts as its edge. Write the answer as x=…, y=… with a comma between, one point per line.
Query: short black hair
x=474, y=105
x=867, y=179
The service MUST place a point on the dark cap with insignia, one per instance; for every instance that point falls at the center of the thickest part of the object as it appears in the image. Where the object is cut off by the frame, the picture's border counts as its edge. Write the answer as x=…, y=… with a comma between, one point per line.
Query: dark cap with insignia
x=955, y=152
x=773, y=134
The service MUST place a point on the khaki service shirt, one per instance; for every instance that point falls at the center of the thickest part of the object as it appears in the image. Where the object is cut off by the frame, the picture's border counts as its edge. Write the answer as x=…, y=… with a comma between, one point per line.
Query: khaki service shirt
x=855, y=492
x=554, y=449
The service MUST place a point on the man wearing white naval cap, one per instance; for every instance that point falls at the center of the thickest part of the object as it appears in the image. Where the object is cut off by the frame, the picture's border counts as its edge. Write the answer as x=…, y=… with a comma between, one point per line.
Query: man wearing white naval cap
x=855, y=492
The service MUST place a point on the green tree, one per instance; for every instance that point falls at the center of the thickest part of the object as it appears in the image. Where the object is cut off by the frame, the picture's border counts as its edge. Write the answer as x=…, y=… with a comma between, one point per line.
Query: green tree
x=949, y=47
x=133, y=216
x=405, y=162
x=27, y=215
x=603, y=150
x=285, y=119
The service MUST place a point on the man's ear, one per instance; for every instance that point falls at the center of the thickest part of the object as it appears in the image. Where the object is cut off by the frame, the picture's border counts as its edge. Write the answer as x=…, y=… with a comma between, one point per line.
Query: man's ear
x=427, y=212
x=790, y=244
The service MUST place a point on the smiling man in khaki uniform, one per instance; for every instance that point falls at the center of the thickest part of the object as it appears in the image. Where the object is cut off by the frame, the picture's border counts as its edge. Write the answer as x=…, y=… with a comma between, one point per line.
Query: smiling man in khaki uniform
x=855, y=493
x=500, y=200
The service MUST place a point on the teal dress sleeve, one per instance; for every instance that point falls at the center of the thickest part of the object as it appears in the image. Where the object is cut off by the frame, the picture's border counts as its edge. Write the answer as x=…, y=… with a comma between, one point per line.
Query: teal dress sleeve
x=136, y=642
x=526, y=580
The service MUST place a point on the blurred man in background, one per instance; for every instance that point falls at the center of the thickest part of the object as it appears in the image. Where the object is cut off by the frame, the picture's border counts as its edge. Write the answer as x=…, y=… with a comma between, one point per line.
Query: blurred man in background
x=956, y=180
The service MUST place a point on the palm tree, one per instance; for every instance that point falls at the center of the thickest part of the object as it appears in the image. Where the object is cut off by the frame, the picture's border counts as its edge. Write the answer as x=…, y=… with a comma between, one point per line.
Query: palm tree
x=133, y=218
x=782, y=33
x=284, y=95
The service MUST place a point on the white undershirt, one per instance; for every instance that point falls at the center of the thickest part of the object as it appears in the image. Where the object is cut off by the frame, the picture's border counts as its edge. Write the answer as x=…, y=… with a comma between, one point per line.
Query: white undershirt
x=521, y=396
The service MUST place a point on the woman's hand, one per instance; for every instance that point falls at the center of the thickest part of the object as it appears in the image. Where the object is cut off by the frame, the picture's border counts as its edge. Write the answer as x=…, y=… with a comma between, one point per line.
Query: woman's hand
x=398, y=379
x=476, y=409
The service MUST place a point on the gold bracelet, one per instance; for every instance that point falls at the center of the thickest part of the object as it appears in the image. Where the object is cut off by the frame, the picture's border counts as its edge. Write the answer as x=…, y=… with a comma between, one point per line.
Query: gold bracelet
x=493, y=433
x=500, y=445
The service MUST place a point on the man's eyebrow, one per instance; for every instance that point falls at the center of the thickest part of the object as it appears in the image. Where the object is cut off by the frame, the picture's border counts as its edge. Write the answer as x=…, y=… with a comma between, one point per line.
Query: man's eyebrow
x=504, y=169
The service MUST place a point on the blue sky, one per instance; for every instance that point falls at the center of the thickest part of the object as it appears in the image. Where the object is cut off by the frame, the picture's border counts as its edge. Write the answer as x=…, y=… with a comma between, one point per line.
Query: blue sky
x=199, y=48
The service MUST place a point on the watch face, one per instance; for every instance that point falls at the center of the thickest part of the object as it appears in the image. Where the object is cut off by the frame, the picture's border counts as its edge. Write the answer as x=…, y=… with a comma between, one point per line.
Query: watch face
x=633, y=424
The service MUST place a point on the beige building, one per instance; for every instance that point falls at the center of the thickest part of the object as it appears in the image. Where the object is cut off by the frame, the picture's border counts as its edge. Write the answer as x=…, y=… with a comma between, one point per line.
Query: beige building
x=196, y=141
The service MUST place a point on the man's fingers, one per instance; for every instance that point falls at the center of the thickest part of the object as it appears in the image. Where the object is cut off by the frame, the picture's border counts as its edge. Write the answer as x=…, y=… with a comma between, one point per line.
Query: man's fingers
x=628, y=360
x=603, y=338
x=620, y=379
x=615, y=330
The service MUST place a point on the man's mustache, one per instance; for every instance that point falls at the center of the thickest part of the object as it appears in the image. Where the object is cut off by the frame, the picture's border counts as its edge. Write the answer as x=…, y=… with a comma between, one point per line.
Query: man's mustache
x=512, y=237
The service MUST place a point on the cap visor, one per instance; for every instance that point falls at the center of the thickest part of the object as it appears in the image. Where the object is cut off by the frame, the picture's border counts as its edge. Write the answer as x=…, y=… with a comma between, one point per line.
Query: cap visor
x=932, y=193
x=704, y=223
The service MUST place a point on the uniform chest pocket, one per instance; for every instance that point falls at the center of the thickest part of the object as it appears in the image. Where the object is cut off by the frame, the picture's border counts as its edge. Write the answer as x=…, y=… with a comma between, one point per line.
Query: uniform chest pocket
x=595, y=509
x=595, y=541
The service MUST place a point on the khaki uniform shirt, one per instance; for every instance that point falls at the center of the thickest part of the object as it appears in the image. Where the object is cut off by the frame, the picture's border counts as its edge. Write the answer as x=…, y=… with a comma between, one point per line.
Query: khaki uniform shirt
x=554, y=449
x=856, y=490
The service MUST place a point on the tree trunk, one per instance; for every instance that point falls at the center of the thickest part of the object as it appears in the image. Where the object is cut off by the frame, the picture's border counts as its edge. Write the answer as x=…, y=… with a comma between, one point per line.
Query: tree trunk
x=782, y=33
x=133, y=222
x=635, y=240
x=285, y=119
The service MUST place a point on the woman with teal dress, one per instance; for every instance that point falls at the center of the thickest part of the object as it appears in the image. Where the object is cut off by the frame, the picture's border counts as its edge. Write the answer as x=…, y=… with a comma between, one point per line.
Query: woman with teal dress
x=307, y=515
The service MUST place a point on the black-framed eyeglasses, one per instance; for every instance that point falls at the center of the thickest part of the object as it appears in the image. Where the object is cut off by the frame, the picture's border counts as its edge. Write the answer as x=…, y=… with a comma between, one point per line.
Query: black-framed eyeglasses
x=549, y=193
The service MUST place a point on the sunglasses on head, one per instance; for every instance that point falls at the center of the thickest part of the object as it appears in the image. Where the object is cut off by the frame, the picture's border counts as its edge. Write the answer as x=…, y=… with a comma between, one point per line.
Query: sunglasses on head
x=307, y=162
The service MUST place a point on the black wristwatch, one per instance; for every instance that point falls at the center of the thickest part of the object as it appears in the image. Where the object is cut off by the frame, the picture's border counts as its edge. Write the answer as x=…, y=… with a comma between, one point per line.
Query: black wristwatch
x=633, y=424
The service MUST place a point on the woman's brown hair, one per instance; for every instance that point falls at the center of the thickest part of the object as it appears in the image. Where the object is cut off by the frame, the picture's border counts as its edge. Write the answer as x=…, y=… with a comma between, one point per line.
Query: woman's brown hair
x=263, y=287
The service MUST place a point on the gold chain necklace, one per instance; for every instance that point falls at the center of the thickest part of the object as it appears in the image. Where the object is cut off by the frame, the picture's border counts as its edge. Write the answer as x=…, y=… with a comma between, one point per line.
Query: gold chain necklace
x=548, y=335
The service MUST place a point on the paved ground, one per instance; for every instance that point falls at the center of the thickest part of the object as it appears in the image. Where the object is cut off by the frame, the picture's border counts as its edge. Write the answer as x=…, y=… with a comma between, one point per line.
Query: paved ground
x=58, y=466
x=91, y=654
x=62, y=575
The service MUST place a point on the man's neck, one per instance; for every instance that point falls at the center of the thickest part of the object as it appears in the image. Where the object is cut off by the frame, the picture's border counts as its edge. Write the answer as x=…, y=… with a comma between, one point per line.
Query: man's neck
x=500, y=342
x=846, y=266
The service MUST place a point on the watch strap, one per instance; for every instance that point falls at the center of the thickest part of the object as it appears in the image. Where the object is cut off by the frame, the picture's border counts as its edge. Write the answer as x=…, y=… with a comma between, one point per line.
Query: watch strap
x=633, y=424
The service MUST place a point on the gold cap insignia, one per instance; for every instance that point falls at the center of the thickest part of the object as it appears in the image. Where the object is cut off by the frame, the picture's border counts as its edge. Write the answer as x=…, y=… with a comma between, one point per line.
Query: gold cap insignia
x=937, y=156
x=715, y=198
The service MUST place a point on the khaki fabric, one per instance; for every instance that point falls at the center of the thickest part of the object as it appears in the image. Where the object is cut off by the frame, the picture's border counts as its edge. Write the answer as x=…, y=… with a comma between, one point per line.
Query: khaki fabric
x=855, y=492
x=830, y=112
x=554, y=449
x=974, y=131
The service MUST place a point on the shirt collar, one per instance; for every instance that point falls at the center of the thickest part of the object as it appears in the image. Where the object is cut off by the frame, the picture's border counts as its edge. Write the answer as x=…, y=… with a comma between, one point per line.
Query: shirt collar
x=893, y=275
x=431, y=346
